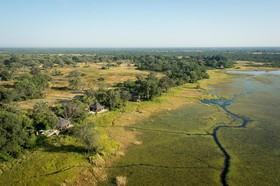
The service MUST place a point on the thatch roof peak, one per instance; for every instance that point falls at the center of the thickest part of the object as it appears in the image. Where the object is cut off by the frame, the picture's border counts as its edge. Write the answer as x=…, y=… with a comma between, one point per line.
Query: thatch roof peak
x=96, y=105
x=62, y=122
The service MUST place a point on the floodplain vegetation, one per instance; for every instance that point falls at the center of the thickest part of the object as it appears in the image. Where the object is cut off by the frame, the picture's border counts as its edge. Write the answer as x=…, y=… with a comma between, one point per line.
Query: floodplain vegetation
x=139, y=88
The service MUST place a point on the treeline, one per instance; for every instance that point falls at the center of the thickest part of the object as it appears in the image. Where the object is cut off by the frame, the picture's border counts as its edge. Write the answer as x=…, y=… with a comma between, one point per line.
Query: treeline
x=46, y=61
x=182, y=69
x=177, y=71
x=269, y=58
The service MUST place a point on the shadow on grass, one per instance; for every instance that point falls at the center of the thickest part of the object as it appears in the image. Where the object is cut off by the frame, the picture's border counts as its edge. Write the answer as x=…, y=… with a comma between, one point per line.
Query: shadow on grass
x=63, y=148
x=64, y=88
x=8, y=86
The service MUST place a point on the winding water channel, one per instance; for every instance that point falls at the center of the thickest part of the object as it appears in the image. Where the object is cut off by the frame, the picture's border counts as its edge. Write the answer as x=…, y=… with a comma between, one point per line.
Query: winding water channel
x=245, y=120
x=200, y=144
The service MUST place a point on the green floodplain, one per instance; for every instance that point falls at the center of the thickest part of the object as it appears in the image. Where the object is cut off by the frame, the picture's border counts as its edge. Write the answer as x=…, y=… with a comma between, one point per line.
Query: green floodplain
x=178, y=147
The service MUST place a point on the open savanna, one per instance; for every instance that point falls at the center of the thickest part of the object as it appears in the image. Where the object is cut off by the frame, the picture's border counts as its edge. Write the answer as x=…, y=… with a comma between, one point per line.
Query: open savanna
x=92, y=72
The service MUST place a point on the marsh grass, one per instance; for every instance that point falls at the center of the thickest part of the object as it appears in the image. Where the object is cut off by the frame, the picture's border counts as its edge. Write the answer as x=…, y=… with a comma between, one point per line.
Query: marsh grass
x=254, y=150
x=176, y=149
x=166, y=148
x=44, y=167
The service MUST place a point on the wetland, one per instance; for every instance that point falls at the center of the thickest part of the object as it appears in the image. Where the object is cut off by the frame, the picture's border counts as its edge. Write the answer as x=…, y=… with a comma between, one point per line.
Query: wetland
x=232, y=140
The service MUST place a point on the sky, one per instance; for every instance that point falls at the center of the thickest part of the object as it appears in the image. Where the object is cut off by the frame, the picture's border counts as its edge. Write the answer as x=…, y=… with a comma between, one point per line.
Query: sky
x=139, y=23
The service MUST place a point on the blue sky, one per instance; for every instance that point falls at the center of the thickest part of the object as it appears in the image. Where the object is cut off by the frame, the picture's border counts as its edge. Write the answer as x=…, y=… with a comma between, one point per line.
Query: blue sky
x=139, y=23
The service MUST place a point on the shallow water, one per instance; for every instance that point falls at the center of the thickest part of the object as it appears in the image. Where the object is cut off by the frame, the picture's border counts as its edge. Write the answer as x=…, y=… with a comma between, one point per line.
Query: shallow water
x=255, y=73
x=190, y=145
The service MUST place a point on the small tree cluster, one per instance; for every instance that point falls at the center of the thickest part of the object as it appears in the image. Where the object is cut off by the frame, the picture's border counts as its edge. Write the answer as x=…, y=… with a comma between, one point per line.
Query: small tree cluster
x=16, y=132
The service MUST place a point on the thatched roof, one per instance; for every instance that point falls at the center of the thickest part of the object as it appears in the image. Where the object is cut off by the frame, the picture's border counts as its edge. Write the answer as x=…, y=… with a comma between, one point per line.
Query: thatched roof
x=96, y=106
x=62, y=122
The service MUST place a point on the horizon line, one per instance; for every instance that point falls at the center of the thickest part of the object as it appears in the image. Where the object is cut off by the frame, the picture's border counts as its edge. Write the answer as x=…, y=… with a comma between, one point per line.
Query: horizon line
x=166, y=47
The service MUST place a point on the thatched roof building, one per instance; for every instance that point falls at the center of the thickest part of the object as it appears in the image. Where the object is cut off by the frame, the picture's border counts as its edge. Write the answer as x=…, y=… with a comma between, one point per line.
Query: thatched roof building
x=63, y=124
x=96, y=107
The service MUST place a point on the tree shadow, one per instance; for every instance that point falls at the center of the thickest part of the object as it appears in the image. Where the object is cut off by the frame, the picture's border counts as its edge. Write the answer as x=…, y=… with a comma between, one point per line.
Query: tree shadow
x=64, y=88
x=63, y=148
x=8, y=86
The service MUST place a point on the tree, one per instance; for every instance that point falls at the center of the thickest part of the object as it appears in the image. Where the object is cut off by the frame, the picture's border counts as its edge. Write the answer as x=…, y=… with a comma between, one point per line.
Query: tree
x=88, y=136
x=149, y=88
x=72, y=110
x=74, y=74
x=125, y=96
x=30, y=87
x=43, y=117
x=5, y=75
x=114, y=99
x=16, y=133
x=89, y=97
x=74, y=79
x=74, y=83
x=165, y=83
x=193, y=77
x=35, y=71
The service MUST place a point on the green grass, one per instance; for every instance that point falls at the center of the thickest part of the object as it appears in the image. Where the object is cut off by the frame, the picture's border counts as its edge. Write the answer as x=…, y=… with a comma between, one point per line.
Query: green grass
x=174, y=158
x=254, y=150
x=172, y=152
x=50, y=165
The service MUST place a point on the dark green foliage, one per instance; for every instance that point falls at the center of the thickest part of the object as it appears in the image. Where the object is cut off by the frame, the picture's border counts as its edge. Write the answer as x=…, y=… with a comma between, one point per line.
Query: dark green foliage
x=7, y=96
x=74, y=74
x=114, y=99
x=125, y=96
x=31, y=87
x=16, y=133
x=88, y=136
x=43, y=117
x=110, y=98
x=165, y=83
x=56, y=73
x=73, y=110
x=182, y=69
x=146, y=87
x=89, y=97
x=76, y=59
x=217, y=62
x=149, y=87
x=74, y=83
x=101, y=79
x=74, y=79
x=35, y=71
x=5, y=75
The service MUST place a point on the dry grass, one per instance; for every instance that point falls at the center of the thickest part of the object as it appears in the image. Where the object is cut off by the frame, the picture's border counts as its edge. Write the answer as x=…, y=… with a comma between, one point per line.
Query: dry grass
x=121, y=180
x=112, y=75
x=252, y=66
x=59, y=91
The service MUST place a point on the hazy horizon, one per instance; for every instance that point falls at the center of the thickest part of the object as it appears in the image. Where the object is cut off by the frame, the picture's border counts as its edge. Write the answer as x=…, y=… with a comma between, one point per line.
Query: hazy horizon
x=139, y=24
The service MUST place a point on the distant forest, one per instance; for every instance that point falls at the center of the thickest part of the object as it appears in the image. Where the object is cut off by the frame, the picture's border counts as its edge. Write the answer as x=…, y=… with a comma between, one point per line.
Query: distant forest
x=271, y=55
